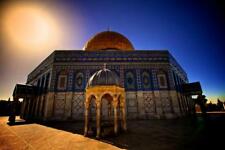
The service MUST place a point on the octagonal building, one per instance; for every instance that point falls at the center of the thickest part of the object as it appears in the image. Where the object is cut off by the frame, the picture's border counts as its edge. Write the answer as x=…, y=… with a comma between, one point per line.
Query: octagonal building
x=152, y=80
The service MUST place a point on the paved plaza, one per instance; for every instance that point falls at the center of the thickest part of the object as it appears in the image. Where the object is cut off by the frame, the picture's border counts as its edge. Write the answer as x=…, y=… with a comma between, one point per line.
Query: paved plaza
x=185, y=134
x=34, y=136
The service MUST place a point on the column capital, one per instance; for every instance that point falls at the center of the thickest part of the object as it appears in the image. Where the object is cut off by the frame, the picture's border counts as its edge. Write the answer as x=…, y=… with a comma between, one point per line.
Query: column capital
x=86, y=104
x=115, y=103
x=98, y=103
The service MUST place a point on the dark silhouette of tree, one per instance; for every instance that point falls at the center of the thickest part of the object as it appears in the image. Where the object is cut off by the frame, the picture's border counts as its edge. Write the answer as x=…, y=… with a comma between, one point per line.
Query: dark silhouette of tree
x=201, y=101
x=5, y=107
x=220, y=105
x=211, y=107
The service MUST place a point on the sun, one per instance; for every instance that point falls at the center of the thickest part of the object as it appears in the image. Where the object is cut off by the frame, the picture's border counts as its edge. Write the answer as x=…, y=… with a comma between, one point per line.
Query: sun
x=28, y=26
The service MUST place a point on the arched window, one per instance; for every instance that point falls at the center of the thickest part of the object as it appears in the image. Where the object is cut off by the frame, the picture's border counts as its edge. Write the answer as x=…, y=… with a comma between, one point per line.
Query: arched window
x=79, y=81
x=146, y=80
x=130, y=81
x=62, y=81
x=162, y=81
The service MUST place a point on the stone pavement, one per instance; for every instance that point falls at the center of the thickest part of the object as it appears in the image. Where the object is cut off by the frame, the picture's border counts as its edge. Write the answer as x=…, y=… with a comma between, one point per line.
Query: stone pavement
x=34, y=136
x=187, y=133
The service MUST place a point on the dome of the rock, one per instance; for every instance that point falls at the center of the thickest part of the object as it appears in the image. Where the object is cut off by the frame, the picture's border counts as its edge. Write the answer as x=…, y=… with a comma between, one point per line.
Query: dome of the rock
x=108, y=40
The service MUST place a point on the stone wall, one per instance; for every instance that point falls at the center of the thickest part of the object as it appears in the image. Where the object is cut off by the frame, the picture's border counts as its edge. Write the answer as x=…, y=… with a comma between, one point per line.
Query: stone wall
x=139, y=74
x=139, y=105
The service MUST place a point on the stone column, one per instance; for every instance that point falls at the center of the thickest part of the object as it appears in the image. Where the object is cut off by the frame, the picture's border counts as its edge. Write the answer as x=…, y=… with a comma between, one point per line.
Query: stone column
x=115, y=105
x=156, y=94
x=173, y=92
x=69, y=96
x=86, y=104
x=33, y=106
x=158, y=102
x=28, y=108
x=46, y=107
x=37, y=106
x=12, y=117
x=109, y=110
x=23, y=108
x=49, y=112
x=182, y=103
x=140, y=103
x=98, y=116
x=40, y=107
x=123, y=104
x=175, y=103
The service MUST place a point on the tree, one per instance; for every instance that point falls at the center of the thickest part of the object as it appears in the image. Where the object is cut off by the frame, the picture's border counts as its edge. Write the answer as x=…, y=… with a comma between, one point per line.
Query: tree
x=201, y=101
x=220, y=105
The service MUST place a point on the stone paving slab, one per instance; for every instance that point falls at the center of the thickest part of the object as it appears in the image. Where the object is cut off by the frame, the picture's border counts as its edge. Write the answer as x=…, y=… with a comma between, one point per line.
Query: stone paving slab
x=35, y=136
x=190, y=133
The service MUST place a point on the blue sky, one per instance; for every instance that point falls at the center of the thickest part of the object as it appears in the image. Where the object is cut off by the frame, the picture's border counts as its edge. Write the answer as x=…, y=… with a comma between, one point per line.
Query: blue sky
x=193, y=31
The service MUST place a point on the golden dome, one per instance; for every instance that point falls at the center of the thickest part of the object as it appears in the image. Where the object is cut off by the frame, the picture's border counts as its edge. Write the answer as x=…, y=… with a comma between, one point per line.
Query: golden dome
x=108, y=40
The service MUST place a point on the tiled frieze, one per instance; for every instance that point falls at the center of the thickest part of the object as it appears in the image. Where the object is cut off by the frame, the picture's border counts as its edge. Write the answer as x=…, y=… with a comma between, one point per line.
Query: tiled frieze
x=122, y=76
x=138, y=79
x=70, y=80
x=154, y=79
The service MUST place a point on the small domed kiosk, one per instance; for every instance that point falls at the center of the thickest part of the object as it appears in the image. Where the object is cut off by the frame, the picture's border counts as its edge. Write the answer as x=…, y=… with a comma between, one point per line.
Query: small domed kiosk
x=104, y=84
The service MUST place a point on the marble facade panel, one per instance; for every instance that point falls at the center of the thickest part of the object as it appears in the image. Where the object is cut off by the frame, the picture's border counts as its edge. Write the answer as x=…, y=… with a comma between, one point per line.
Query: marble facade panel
x=77, y=108
x=132, y=105
x=59, y=105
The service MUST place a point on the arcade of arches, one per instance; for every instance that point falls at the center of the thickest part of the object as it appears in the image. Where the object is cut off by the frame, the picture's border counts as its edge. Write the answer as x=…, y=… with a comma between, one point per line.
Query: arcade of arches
x=115, y=97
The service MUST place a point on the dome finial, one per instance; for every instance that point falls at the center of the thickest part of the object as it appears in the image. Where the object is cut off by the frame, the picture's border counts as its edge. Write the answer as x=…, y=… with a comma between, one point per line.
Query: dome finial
x=108, y=29
x=104, y=66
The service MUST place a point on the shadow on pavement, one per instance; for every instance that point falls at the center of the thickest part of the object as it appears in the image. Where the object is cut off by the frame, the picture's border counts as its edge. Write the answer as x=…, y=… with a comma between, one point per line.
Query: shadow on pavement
x=185, y=133
x=19, y=123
